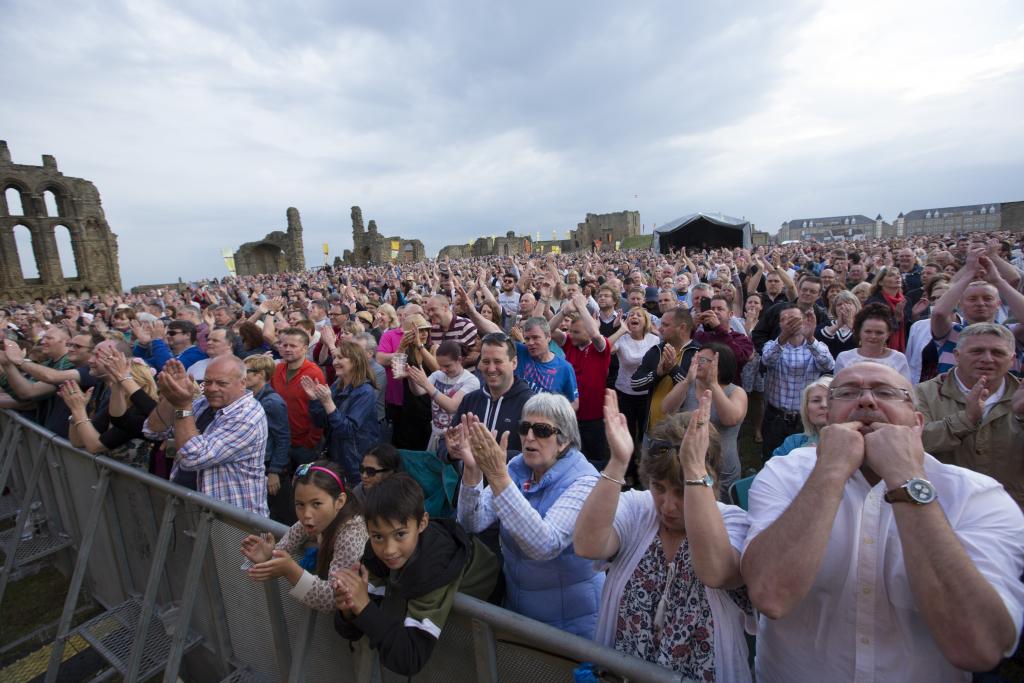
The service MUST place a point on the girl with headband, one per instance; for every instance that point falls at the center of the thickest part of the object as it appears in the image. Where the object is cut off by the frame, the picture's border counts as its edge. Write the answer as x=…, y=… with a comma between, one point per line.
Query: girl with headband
x=330, y=535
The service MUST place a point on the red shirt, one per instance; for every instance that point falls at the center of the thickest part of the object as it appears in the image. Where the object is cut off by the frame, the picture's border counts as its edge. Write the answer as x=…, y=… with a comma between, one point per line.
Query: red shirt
x=591, y=367
x=301, y=424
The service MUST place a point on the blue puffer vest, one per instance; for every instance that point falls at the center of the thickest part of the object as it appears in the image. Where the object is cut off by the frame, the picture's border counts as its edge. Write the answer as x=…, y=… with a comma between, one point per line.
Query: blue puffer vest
x=564, y=592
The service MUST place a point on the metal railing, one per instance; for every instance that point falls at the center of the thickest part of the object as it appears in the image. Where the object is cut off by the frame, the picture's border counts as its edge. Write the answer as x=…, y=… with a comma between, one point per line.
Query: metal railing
x=165, y=564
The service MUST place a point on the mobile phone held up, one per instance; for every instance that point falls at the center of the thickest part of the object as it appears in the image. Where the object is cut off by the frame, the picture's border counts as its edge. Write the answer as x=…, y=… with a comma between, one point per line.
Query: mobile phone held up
x=705, y=304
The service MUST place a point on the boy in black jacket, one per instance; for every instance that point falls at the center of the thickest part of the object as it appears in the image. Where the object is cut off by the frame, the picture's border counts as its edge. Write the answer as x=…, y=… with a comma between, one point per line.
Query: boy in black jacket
x=412, y=568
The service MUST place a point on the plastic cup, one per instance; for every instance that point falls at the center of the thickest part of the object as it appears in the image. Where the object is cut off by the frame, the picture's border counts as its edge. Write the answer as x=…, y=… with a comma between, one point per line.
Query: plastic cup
x=399, y=362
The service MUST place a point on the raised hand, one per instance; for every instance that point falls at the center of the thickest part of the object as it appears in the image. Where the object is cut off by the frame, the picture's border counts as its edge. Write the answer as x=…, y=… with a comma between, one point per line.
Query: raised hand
x=140, y=332
x=417, y=375
x=894, y=452
x=353, y=585
x=841, y=448
x=489, y=454
x=15, y=354
x=175, y=385
x=668, y=359
x=975, y=400
x=616, y=430
x=458, y=444
x=258, y=548
x=279, y=564
x=693, y=449
x=74, y=398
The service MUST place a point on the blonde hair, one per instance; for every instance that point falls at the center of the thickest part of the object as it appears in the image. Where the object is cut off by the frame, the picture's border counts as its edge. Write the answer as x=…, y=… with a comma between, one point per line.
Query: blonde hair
x=389, y=311
x=805, y=399
x=647, y=318
x=845, y=295
x=142, y=375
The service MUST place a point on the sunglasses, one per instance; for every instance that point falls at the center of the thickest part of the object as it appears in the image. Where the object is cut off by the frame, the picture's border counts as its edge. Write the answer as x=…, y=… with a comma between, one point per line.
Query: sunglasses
x=499, y=337
x=540, y=430
x=73, y=345
x=373, y=471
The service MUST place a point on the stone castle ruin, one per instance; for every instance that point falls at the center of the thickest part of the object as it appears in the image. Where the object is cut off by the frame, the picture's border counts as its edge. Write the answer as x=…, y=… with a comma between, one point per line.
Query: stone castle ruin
x=45, y=203
x=369, y=246
x=599, y=232
x=277, y=252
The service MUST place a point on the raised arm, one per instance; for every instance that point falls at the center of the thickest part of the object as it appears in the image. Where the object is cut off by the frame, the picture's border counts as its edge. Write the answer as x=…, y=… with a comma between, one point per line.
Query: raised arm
x=594, y=537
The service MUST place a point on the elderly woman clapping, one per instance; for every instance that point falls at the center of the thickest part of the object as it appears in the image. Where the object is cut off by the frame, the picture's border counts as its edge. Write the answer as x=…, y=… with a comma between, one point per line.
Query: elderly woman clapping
x=536, y=498
x=673, y=594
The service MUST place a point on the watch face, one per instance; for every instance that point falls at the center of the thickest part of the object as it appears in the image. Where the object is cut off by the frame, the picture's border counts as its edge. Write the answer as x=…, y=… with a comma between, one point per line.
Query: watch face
x=921, y=491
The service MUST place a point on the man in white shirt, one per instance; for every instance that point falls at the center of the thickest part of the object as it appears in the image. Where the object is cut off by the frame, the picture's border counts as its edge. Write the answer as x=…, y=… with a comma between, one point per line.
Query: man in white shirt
x=870, y=560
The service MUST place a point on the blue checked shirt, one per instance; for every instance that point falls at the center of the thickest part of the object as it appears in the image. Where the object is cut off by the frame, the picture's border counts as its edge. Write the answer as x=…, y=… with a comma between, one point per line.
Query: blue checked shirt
x=791, y=368
x=540, y=537
x=229, y=455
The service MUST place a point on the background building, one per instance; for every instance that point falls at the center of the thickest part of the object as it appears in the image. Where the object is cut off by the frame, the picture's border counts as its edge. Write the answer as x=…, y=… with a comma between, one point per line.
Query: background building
x=46, y=204
x=277, y=252
x=369, y=246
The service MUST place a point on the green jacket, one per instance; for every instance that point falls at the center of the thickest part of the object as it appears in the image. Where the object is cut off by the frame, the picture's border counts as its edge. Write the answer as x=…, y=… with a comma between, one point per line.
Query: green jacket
x=995, y=447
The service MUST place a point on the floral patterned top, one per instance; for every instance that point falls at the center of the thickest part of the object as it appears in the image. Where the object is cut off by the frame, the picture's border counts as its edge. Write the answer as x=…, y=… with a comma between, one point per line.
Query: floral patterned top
x=349, y=544
x=665, y=617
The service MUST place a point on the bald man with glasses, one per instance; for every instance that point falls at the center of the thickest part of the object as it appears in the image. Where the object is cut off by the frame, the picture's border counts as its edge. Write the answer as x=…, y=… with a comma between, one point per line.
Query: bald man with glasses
x=871, y=560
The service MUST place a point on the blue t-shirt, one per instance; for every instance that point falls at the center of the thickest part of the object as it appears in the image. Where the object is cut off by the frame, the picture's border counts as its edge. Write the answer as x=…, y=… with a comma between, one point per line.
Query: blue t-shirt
x=555, y=376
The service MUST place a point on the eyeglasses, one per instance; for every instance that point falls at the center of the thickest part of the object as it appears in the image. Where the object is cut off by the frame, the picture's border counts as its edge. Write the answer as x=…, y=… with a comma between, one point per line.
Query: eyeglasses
x=252, y=371
x=540, y=430
x=373, y=471
x=852, y=392
x=73, y=345
x=172, y=333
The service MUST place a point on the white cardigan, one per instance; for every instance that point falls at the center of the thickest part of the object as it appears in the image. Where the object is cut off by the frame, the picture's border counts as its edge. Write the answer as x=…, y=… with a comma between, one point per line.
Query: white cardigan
x=636, y=523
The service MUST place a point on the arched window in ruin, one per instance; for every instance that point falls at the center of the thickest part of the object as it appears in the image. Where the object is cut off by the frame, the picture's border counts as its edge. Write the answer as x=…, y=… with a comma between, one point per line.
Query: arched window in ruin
x=13, y=197
x=26, y=255
x=68, y=264
x=52, y=204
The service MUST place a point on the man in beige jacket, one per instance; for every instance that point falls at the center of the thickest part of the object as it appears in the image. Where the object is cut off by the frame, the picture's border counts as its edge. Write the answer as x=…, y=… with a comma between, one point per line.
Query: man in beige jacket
x=974, y=413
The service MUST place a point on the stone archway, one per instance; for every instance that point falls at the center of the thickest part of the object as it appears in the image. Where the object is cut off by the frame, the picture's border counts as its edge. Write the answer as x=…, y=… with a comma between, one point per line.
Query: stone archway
x=269, y=258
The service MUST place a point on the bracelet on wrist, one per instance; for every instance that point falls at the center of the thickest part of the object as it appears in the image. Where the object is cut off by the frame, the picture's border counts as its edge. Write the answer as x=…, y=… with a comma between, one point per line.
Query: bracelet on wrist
x=123, y=379
x=620, y=482
x=79, y=422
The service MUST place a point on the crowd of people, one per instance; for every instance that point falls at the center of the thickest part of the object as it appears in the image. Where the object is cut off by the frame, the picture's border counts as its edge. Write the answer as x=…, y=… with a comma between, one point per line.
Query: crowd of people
x=561, y=434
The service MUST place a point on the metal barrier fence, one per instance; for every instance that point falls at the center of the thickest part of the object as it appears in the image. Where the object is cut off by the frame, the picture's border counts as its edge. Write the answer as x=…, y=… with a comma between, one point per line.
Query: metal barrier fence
x=165, y=564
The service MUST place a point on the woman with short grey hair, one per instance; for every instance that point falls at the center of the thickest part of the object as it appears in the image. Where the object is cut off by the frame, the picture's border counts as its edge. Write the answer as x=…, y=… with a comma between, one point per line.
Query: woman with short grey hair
x=536, y=496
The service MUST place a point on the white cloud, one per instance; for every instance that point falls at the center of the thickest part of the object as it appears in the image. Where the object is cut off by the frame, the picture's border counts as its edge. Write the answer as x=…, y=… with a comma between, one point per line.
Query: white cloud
x=201, y=123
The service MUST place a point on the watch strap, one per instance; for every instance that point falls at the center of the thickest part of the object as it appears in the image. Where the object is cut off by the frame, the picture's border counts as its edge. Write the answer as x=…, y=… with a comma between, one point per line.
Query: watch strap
x=179, y=414
x=707, y=480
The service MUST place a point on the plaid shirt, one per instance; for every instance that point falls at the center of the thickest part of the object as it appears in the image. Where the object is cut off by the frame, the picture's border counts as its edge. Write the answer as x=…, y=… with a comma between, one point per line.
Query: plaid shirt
x=791, y=368
x=228, y=456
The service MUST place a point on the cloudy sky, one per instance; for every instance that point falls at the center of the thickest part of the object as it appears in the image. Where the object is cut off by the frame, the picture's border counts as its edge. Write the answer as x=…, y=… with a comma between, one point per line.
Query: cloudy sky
x=200, y=122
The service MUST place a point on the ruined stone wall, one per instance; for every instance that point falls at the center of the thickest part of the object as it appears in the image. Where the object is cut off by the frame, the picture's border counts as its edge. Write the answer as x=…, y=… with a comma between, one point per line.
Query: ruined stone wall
x=607, y=227
x=78, y=209
x=369, y=246
x=277, y=252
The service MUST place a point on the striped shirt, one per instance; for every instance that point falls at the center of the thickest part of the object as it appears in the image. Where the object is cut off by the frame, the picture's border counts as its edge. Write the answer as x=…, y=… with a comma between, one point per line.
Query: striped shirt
x=790, y=369
x=228, y=456
x=461, y=330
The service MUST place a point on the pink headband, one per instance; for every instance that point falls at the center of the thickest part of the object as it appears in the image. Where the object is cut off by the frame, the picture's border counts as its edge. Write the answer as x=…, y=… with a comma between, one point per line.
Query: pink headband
x=303, y=470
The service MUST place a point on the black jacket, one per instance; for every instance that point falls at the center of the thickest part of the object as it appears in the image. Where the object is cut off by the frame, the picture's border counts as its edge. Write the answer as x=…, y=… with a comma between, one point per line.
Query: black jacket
x=406, y=621
x=501, y=414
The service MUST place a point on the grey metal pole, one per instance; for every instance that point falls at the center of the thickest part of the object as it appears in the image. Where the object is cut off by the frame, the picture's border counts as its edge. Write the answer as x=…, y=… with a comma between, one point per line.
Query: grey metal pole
x=156, y=568
x=38, y=460
x=278, y=630
x=485, y=653
x=297, y=673
x=188, y=598
x=81, y=564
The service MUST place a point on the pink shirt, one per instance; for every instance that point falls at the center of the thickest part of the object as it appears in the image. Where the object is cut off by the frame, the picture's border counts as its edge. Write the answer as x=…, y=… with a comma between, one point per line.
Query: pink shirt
x=389, y=342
